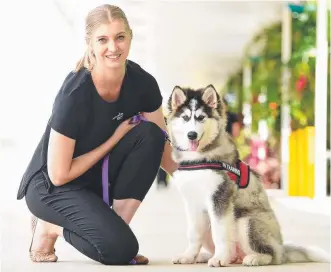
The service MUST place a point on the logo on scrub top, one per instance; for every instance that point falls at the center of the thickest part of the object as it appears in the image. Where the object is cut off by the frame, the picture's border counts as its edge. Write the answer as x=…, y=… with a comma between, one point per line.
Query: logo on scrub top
x=119, y=116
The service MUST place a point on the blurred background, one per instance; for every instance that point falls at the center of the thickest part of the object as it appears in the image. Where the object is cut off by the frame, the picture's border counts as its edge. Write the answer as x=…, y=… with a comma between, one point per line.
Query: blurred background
x=268, y=59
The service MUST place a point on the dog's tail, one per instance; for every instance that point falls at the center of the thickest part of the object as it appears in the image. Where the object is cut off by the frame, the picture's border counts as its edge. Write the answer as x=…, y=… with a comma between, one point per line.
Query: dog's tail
x=300, y=254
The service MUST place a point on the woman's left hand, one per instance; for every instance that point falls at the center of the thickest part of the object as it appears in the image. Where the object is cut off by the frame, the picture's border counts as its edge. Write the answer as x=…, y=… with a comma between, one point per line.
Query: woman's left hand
x=167, y=163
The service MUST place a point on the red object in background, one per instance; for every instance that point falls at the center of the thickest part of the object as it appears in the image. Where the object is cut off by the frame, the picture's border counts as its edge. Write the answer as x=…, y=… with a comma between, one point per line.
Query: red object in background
x=301, y=83
x=262, y=160
x=273, y=105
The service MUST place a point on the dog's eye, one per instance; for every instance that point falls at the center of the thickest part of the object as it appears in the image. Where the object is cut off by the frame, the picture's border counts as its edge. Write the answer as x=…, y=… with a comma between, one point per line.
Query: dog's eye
x=186, y=118
x=200, y=117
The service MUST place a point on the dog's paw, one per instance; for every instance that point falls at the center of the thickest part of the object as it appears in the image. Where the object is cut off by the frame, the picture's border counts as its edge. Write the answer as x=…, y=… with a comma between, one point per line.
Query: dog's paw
x=203, y=257
x=184, y=259
x=218, y=261
x=257, y=260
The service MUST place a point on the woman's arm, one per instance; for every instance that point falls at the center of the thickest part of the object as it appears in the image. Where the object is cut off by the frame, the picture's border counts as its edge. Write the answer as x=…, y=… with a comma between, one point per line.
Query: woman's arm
x=167, y=163
x=235, y=129
x=63, y=168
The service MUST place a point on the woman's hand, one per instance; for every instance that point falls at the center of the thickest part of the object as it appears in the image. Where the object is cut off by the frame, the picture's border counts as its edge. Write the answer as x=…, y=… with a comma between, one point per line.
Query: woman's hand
x=167, y=163
x=121, y=130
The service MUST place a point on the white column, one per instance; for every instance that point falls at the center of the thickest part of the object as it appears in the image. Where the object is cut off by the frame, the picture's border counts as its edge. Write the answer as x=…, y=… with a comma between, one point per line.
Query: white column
x=321, y=100
x=330, y=86
x=285, y=109
x=247, y=83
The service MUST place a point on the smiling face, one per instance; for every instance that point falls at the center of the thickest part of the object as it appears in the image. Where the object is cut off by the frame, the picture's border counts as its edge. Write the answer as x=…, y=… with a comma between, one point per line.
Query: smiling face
x=190, y=125
x=108, y=38
x=195, y=117
x=110, y=44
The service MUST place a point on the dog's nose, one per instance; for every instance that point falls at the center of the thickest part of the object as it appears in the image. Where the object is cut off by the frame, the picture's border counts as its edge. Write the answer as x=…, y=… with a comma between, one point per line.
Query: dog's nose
x=192, y=135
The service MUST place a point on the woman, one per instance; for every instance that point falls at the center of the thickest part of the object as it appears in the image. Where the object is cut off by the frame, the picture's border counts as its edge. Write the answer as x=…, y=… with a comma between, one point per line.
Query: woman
x=63, y=184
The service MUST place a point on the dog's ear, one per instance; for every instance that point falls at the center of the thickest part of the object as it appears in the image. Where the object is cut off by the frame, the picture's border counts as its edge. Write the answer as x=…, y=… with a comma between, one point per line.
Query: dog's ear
x=210, y=96
x=178, y=97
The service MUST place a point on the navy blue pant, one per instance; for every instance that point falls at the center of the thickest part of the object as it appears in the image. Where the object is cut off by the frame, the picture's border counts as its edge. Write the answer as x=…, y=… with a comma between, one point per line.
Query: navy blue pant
x=89, y=224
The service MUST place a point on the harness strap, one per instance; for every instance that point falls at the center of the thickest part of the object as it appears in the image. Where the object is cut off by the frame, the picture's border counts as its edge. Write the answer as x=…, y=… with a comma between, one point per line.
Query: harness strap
x=239, y=174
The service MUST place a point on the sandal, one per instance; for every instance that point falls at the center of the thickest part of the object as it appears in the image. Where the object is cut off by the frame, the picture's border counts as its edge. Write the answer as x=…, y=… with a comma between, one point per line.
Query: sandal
x=139, y=260
x=38, y=256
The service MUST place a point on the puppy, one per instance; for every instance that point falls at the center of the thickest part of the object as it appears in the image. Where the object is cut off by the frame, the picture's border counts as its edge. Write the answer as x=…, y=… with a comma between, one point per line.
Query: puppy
x=219, y=191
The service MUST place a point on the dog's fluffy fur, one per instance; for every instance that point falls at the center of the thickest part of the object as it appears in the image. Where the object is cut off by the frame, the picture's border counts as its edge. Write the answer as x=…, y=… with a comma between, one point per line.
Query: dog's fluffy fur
x=212, y=200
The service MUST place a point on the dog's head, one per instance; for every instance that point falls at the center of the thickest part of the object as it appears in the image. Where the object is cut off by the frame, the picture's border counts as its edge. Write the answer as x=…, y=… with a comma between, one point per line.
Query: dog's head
x=196, y=117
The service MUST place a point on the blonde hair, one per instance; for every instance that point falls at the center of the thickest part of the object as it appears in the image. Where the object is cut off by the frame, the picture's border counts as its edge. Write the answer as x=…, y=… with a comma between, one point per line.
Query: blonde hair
x=103, y=14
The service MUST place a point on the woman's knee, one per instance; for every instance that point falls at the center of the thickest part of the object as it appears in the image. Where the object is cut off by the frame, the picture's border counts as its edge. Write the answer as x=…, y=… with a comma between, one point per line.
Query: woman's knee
x=152, y=134
x=120, y=251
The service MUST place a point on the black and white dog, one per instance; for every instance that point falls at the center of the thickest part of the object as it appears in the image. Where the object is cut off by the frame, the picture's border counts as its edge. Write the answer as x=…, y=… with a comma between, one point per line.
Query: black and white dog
x=221, y=192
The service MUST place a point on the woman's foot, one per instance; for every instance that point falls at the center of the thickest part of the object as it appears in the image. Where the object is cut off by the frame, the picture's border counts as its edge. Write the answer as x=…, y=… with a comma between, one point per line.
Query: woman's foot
x=43, y=241
x=139, y=259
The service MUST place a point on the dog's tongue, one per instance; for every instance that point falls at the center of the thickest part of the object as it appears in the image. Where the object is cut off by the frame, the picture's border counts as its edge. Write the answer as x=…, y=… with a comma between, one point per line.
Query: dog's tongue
x=193, y=145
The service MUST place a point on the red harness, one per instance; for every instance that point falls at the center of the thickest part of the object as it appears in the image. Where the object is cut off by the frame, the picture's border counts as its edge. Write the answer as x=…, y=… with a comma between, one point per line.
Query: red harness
x=239, y=174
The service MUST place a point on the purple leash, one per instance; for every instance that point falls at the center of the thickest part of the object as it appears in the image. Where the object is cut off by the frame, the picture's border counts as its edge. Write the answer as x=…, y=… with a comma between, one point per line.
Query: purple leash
x=105, y=186
x=137, y=118
x=105, y=189
x=105, y=165
x=105, y=168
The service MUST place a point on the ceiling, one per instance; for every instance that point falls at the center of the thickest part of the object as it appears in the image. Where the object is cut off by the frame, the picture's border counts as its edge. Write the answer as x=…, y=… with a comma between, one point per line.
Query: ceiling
x=185, y=42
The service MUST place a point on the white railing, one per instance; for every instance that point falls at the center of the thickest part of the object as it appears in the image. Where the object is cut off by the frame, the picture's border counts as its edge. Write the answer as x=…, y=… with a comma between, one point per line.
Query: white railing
x=321, y=100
